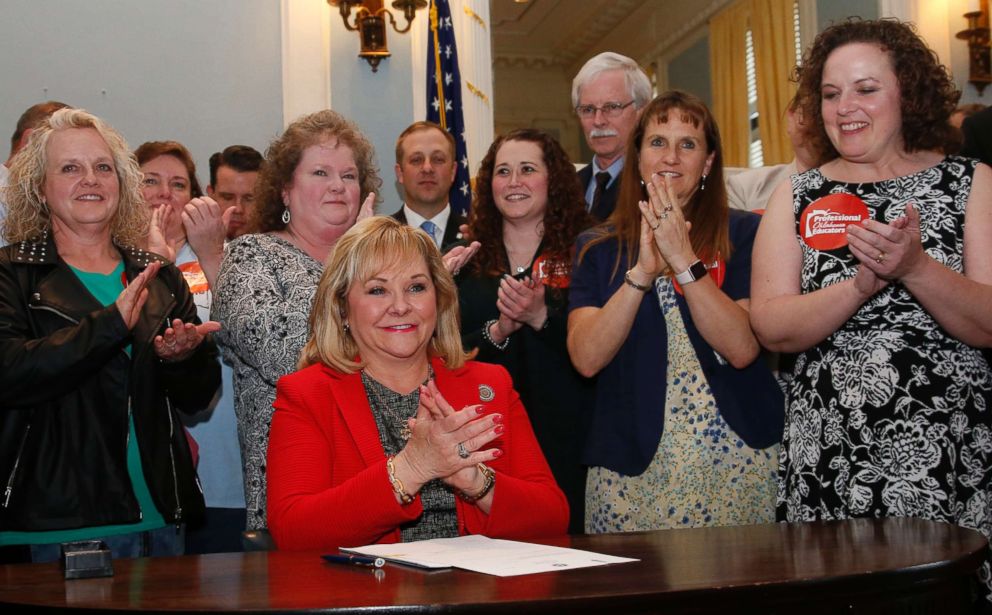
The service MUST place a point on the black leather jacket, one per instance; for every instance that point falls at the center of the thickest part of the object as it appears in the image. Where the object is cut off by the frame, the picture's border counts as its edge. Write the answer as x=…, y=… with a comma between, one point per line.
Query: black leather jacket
x=67, y=388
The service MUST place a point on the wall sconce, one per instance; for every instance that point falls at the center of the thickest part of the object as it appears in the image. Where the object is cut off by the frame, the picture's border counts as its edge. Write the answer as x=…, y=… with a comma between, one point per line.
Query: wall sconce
x=977, y=35
x=370, y=22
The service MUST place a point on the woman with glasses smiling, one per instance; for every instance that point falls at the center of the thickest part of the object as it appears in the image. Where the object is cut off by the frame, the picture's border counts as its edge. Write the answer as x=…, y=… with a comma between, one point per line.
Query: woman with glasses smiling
x=686, y=414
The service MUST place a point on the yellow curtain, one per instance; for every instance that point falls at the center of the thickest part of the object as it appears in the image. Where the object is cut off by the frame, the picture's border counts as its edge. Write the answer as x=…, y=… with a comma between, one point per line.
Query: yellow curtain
x=775, y=56
x=729, y=80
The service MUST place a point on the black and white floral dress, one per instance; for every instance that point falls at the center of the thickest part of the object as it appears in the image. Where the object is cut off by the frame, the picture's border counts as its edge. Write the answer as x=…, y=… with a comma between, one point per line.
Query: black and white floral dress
x=890, y=416
x=264, y=293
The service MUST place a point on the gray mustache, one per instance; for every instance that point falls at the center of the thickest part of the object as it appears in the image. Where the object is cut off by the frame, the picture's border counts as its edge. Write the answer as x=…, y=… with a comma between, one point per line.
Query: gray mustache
x=603, y=132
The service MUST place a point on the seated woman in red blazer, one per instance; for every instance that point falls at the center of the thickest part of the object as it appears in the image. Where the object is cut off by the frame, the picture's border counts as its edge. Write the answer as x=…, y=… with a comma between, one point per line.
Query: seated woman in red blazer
x=366, y=445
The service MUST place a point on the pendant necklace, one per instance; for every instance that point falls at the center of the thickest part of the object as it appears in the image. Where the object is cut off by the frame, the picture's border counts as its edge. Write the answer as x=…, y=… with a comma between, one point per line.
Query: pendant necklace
x=373, y=387
x=518, y=269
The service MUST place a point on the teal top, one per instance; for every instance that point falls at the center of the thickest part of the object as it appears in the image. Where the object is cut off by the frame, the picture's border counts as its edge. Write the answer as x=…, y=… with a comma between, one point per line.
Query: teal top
x=105, y=288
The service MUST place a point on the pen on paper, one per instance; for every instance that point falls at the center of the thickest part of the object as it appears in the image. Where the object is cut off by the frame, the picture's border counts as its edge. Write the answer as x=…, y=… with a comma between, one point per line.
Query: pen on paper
x=356, y=560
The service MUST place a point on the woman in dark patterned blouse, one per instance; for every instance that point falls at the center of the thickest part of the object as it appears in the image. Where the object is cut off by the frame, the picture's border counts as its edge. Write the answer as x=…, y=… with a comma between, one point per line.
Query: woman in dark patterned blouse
x=309, y=191
x=876, y=267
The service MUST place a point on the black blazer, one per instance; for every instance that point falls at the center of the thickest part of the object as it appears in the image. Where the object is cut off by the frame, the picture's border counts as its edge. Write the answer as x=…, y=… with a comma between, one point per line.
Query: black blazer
x=609, y=199
x=977, y=131
x=451, y=235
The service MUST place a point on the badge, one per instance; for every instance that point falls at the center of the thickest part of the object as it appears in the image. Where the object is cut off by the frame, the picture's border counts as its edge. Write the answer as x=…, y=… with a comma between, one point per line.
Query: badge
x=195, y=278
x=555, y=274
x=823, y=224
x=486, y=393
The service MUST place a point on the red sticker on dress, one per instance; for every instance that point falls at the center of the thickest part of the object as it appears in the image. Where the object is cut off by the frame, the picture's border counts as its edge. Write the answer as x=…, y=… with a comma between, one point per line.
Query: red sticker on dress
x=823, y=224
x=717, y=270
x=556, y=274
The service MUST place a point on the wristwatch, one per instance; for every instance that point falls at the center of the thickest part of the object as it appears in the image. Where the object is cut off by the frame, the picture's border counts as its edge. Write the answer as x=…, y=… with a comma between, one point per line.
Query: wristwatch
x=695, y=271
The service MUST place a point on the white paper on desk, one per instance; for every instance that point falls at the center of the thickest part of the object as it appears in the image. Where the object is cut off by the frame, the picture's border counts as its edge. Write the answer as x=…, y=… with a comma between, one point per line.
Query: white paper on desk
x=504, y=558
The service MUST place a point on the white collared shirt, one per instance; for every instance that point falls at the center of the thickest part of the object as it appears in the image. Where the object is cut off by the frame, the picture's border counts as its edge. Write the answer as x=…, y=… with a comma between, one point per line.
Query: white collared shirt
x=440, y=220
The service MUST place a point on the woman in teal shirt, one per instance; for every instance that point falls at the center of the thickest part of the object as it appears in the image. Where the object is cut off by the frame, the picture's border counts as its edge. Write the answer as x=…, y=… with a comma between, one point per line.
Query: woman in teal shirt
x=99, y=348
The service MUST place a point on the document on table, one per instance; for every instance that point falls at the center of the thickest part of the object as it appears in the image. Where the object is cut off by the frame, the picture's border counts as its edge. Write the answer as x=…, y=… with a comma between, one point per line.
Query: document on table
x=504, y=558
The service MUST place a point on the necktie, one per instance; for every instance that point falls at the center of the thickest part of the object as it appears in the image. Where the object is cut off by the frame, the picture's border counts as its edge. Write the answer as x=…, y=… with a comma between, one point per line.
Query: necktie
x=431, y=229
x=602, y=178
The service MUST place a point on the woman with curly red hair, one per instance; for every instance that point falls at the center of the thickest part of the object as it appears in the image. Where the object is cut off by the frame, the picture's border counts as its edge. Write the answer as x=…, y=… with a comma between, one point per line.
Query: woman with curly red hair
x=528, y=211
x=876, y=267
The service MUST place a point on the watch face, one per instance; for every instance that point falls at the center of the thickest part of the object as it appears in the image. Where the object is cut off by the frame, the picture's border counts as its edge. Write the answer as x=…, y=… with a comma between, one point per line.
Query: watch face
x=698, y=270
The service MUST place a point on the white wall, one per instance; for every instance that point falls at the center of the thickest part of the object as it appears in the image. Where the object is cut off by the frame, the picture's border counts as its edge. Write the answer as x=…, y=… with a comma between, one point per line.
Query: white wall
x=205, y=73
x=381, y=103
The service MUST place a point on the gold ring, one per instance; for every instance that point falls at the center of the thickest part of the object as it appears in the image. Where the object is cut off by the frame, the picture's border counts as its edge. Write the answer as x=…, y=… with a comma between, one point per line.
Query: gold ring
x=880, y=258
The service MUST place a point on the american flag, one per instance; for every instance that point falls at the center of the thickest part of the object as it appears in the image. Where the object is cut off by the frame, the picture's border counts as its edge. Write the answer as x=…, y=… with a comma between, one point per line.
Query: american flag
x=444, y=96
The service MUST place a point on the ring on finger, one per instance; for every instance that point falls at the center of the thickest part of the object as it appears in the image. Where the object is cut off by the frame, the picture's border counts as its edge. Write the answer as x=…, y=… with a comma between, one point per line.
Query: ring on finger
x=462, y=451
x=880, y=258
x=663, y=216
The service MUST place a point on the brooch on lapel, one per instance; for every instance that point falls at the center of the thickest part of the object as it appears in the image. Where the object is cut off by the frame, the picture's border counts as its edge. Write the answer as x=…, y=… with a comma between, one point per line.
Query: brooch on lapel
x=486, y=393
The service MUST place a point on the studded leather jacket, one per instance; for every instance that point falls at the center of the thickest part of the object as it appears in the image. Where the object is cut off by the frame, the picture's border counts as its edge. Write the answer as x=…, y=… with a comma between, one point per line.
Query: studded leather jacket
x=68, y=389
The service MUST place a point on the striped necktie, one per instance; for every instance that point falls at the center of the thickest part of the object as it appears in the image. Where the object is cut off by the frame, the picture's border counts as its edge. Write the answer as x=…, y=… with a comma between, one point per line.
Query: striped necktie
x=431, y=229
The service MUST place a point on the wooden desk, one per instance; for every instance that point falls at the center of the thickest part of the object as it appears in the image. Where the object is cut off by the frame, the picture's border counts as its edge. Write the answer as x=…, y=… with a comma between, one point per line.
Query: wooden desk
x=860, y=566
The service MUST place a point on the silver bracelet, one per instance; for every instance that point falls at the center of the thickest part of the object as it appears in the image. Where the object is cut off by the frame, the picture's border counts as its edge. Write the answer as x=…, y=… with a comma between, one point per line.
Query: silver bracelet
x=631, y=283
x=489, y=338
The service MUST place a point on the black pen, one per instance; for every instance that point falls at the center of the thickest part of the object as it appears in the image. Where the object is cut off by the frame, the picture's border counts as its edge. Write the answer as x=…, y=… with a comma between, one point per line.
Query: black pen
x=356, y=560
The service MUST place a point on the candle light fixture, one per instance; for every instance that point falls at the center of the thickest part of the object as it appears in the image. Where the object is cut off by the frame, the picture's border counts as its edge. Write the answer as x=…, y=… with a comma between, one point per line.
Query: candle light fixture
x=977, y=35
x=370, y=23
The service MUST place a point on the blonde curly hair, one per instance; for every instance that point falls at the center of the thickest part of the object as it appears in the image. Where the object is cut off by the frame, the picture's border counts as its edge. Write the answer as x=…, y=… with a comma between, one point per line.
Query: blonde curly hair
x=369, y=247
x=28, y=215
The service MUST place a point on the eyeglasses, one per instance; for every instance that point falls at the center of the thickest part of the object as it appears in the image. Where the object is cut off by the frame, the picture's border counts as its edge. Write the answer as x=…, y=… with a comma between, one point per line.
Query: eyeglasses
x=610, y=109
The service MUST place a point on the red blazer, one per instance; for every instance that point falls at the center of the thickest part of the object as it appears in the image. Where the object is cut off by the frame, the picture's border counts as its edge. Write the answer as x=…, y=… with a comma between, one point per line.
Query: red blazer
x=326, y=469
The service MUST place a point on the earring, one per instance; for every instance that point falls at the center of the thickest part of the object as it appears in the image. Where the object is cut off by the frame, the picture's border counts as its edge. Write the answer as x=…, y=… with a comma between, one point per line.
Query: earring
x=285, y=216
x=346, y=327
x=702, y=183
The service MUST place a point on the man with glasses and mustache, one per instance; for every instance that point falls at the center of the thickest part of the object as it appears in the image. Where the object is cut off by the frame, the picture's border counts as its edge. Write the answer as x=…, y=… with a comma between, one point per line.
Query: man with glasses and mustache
x=608, y=94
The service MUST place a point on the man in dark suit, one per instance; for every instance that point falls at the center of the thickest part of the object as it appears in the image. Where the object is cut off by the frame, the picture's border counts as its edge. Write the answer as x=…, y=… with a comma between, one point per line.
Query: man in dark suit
x=425, y=166
x=608, y=94
x=977, y=131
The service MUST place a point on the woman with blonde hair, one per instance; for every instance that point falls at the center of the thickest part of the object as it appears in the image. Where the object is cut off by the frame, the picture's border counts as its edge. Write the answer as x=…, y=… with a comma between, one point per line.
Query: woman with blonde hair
x=100, y=347
x=370, y=417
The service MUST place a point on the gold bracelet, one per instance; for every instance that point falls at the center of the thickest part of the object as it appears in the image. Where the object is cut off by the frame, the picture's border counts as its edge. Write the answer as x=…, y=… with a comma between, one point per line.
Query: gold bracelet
x=397, y=484
x=487, y=486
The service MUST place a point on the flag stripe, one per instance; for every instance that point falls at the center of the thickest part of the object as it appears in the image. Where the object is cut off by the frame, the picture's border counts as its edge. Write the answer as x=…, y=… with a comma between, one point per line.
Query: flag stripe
x=444, y=96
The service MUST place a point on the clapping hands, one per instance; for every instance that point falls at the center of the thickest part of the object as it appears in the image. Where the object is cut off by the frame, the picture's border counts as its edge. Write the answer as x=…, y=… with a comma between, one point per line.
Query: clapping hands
x=447, y=444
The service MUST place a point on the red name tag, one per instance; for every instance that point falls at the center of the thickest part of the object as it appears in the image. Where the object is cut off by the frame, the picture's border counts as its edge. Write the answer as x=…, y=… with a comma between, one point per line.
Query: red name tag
x=823, y=224
x=555, y=274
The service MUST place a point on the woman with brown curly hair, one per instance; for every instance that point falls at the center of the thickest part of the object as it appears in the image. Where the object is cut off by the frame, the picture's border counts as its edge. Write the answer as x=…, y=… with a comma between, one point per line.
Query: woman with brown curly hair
x=687, y=414
x=528, y=211
x=315, y=176
x=876, y=267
